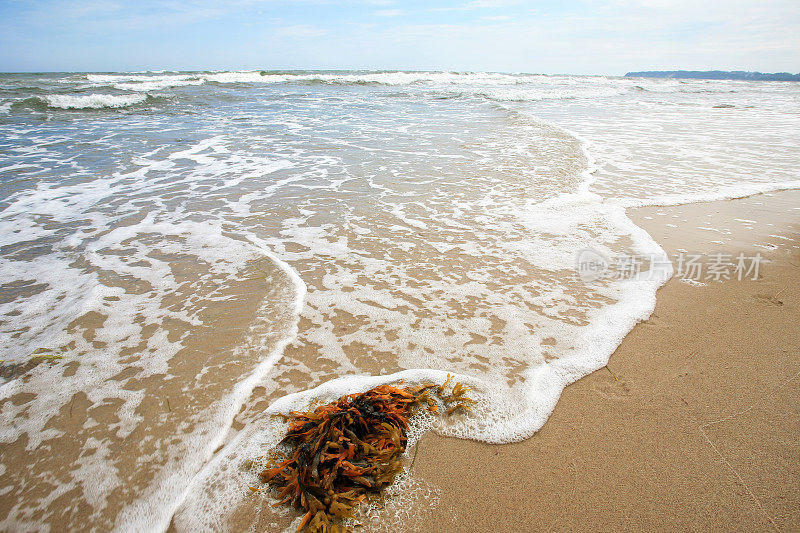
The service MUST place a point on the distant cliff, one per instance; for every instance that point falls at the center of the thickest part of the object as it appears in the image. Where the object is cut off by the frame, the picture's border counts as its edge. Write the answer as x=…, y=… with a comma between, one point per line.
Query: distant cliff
x=715, y=75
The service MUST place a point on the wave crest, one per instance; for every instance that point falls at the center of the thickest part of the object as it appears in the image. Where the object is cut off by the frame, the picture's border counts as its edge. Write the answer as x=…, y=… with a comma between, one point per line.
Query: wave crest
x=86, y=101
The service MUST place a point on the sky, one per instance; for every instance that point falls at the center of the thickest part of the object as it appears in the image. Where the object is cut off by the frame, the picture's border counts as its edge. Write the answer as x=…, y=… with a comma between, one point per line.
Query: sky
x=552, y=37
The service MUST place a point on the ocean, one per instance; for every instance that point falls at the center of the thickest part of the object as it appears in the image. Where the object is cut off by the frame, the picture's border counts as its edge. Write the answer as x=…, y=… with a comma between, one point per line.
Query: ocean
x=185, y=254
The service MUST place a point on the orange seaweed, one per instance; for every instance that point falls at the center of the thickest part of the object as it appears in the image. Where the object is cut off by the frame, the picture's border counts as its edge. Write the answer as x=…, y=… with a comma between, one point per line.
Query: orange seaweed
x=344, y=452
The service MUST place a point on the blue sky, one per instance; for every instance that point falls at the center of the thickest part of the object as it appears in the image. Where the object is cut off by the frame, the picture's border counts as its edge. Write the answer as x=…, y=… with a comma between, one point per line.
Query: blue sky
x=608, y=37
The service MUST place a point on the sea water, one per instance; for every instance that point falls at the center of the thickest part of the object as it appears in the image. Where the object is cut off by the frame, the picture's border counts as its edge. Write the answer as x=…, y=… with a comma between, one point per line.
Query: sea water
x=184, y=254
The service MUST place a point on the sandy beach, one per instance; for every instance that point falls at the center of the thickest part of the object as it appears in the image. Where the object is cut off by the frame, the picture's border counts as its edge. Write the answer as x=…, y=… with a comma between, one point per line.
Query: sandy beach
x=189, y=256
x=694, y=425
x=380, y=266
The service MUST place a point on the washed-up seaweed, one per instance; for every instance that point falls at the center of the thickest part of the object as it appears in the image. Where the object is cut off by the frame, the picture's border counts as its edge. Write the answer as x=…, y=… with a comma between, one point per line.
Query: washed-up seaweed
x=346, y=452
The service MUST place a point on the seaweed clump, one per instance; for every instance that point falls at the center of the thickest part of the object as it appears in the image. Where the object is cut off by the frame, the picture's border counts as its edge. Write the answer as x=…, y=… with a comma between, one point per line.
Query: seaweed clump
x=345, y=452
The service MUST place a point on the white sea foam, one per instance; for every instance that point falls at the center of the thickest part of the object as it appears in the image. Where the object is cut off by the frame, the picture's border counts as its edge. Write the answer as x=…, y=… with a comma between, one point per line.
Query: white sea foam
x=132, y=78
x=166, y=496
x=151, y=86
x=693, y=282
x=93, y=101
x=567, y=91
x=44, y=318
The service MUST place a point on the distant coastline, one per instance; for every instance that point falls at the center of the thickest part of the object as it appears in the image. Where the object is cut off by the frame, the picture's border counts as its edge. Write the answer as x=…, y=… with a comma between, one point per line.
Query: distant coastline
x=715, y=75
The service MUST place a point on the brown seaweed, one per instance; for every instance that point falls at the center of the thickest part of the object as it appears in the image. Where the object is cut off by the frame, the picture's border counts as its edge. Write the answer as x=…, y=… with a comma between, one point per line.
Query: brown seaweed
x=346, y=452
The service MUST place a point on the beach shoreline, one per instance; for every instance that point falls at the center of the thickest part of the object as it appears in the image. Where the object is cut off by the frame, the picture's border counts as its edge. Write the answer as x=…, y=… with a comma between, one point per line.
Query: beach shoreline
x=694, y=422
x=179, y=269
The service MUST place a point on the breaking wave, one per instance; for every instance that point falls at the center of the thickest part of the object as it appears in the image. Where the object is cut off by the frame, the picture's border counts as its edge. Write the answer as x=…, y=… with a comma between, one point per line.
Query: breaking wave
x=87, y=101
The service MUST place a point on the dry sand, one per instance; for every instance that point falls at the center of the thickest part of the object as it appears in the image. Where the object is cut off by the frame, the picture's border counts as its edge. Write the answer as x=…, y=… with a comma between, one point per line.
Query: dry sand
x=698, y=426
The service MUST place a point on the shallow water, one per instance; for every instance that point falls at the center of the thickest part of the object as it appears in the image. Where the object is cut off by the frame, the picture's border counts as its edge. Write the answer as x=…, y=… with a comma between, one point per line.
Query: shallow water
x=181, y=250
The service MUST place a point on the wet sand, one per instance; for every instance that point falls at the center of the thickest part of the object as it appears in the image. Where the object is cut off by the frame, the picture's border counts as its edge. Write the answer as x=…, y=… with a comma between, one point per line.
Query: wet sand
x=694, y=424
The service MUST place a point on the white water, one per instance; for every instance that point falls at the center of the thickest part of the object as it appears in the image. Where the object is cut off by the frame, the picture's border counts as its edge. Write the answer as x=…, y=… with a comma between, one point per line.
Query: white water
x=93, y=101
